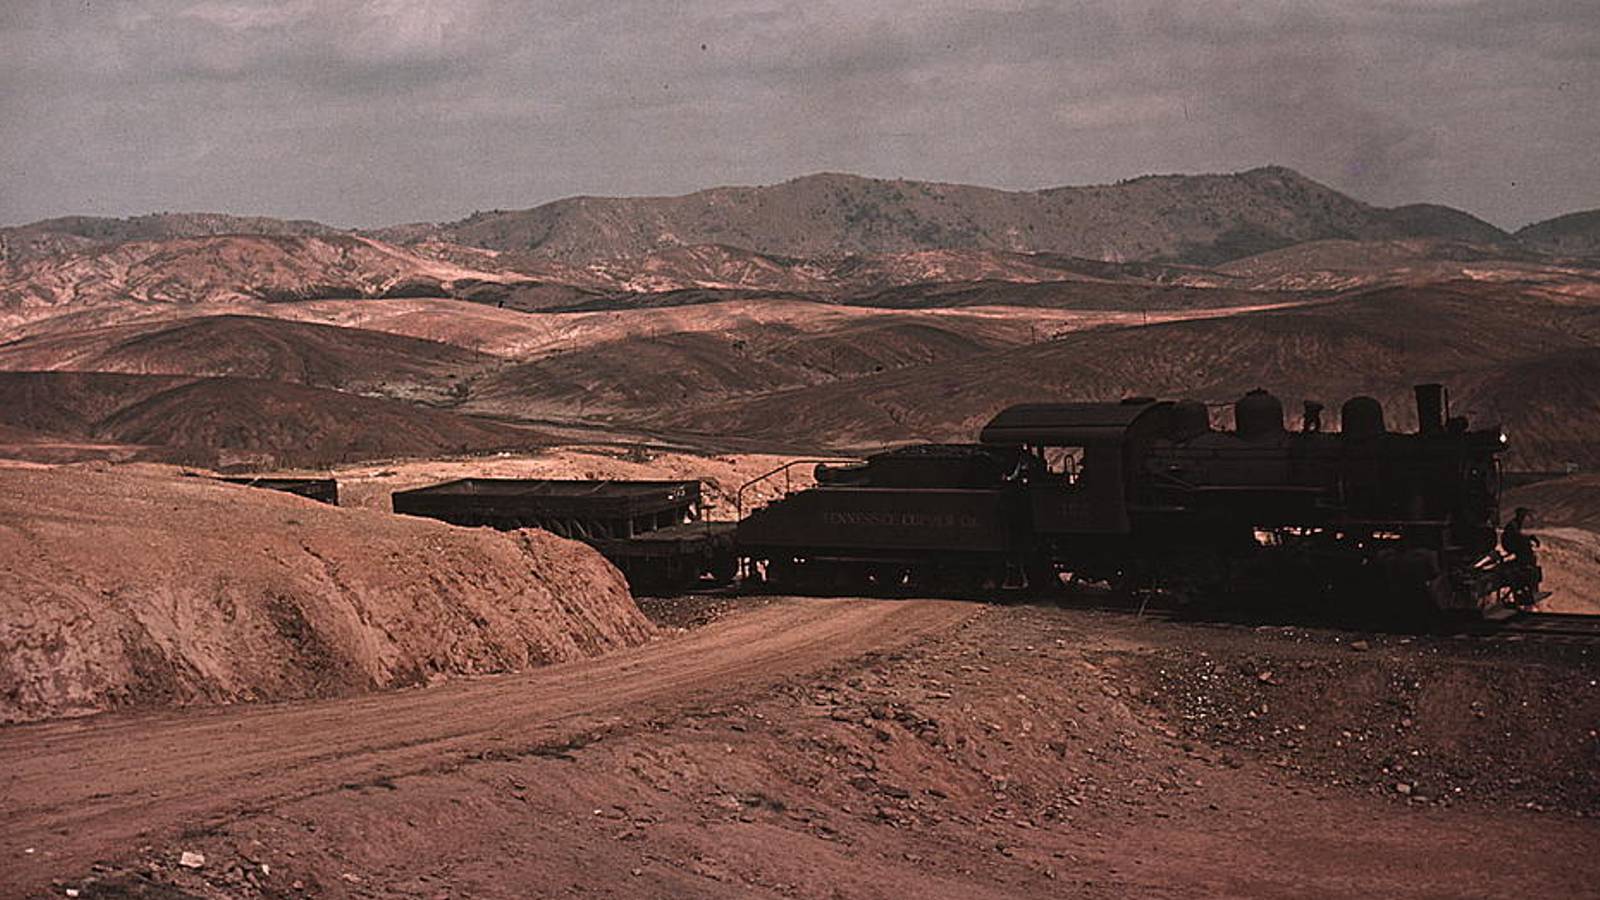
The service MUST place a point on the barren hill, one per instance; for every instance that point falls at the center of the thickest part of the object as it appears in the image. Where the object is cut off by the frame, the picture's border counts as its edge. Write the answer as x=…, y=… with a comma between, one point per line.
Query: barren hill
x=229, y=268
x=1571, y=501
x=137, y=588
x=1574, y=234
x=719, y=266
x=830, y=309
x=1199, y=218
x=1493, y=349
x=1339, y=265
x=316, y=355
x=633, y=374
x=53, y=236
x=239, y=421
x=240, y=269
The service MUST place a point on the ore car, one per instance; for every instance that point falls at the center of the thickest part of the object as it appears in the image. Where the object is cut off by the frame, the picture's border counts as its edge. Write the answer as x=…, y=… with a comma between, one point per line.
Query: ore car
x=652, y=530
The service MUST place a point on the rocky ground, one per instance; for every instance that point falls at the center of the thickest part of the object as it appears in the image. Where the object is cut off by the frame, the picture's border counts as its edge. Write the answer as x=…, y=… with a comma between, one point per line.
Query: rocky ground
x=1002, y=751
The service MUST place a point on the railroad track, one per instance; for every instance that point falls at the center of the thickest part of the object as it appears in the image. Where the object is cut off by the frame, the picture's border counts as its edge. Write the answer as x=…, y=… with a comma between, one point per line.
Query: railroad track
x=1567, y=626
x=1570, y=628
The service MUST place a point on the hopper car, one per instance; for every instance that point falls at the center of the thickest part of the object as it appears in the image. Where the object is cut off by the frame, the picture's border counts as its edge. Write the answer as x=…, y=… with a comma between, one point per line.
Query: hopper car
x=652, y=530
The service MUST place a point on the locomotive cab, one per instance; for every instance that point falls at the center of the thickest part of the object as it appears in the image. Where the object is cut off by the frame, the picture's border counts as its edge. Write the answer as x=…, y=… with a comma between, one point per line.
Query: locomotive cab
x=1093, y=445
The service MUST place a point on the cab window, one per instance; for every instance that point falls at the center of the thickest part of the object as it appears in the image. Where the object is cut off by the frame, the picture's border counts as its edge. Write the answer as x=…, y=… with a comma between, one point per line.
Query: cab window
x=1063, y=462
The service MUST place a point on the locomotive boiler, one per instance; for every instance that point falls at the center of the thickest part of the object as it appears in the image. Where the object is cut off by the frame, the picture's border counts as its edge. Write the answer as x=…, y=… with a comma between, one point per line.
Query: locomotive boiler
x=1150, y=494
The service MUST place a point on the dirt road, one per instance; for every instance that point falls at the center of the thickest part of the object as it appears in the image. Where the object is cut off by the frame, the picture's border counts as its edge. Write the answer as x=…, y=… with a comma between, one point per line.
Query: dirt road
x=813, y=750
x=77, y=791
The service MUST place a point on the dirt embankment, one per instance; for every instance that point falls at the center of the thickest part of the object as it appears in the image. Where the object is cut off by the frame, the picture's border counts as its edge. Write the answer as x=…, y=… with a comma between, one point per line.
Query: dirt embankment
x=138, y=587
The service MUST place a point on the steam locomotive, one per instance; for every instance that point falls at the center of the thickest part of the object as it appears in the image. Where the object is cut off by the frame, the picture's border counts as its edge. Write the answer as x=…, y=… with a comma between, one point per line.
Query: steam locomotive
x=1147, y=494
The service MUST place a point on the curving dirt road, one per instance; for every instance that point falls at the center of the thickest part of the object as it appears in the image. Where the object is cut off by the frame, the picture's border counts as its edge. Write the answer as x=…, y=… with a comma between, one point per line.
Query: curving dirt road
x=77, y=791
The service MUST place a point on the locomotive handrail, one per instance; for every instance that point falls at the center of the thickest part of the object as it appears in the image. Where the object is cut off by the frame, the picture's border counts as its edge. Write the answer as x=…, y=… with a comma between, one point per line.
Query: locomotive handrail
x=738, y=497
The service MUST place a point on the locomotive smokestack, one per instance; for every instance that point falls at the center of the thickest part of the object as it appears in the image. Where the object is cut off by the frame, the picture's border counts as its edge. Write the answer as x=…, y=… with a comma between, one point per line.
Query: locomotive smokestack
x=1432, y=408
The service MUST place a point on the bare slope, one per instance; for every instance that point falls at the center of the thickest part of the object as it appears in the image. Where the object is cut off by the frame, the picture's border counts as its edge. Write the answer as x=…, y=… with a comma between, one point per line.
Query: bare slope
x=1572, y=501
x=53, y=236
x=238, y=421
x=1339, y=264
x=141, y=588
x=650, y=373
x=720, y=266
x=252, y=347
x=1566, y=513
x=224, y=269
x=1489, y=346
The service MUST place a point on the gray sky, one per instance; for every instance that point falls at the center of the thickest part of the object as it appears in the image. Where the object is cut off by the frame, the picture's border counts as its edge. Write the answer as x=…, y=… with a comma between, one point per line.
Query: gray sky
x=376, y=112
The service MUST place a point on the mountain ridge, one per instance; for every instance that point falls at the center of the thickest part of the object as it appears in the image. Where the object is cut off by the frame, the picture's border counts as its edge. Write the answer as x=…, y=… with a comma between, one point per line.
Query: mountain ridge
x=1202, y=219
x=1196, y=219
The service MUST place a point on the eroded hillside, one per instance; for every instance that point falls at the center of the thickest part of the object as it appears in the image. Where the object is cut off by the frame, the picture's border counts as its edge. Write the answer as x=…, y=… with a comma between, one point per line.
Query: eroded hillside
x=826, y=312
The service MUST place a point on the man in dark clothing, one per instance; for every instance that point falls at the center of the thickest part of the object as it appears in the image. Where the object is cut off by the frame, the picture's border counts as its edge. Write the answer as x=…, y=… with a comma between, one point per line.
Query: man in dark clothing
x=1515, y=541
x=1523, y=575
x=1311, y=421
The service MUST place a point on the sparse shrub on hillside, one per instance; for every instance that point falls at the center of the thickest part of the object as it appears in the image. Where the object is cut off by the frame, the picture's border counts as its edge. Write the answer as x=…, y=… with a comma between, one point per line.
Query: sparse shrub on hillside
x=418, y=287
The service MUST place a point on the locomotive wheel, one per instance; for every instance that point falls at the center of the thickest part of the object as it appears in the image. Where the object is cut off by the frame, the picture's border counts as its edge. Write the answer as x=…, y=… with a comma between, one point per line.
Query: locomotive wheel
x=1042, y=577
x=960, y=581
x=850, y=577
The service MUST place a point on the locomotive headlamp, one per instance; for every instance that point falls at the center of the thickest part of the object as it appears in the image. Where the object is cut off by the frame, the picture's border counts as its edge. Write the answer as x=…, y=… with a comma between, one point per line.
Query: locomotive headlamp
x=1504, y=438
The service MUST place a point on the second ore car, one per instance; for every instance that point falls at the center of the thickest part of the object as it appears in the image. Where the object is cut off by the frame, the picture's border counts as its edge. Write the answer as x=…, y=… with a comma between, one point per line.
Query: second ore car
x=652, y=530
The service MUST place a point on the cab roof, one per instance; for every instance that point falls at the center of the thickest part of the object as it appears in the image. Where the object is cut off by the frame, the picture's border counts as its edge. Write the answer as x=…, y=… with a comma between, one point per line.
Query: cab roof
x=1069, y=424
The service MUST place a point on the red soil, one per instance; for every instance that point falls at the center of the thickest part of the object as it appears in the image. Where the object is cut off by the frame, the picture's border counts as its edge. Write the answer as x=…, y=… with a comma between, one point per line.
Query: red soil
x=136, y=587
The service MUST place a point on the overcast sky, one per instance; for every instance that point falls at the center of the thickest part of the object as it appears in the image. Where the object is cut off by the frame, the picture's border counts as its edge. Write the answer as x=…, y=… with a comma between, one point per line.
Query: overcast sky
x=376, y=112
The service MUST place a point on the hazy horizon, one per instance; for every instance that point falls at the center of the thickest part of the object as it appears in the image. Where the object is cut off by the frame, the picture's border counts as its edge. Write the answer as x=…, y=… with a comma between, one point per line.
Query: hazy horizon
x=365, y=114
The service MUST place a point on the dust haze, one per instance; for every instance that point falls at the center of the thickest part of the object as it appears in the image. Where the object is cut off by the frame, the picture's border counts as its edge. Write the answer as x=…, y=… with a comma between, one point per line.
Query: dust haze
x=611, y=298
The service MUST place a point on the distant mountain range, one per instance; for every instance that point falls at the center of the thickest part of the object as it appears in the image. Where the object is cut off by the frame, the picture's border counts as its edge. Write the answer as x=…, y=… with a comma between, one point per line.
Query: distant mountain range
x=1200, y=219
x=51, y=237
x=1183, y=219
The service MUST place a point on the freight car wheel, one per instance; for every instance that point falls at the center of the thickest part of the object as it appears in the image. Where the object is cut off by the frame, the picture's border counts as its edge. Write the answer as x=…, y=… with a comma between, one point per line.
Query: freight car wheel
x=809, y=577
x=872, y=579
x=723, y=570
x=961, y=581
x=779, y=573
